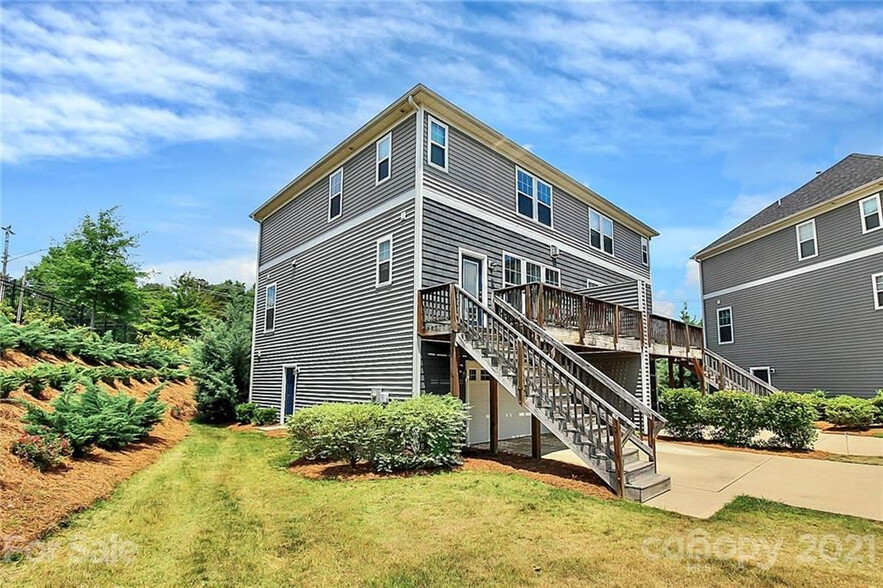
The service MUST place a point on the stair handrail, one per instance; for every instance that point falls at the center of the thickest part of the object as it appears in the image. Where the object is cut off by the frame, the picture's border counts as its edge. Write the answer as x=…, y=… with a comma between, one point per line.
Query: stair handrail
x=769, y=388
x=631, y=399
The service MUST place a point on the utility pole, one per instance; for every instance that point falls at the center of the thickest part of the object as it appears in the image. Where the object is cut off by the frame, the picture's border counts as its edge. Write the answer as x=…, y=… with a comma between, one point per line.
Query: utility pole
x=8, y=231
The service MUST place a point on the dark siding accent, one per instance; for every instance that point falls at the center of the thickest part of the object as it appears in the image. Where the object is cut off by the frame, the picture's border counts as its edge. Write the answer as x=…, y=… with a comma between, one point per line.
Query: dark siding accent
x=479, y=175
x=345, y=335
x=306, y=216
x=838, y=233
x=817, y=330
x=445, y=230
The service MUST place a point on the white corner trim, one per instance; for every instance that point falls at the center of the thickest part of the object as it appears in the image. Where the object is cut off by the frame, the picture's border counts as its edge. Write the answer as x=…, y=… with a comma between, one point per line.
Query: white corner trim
x=254, y=312
x=797, y=272
x=339, y=229
x=510, y=225
x=416, y=360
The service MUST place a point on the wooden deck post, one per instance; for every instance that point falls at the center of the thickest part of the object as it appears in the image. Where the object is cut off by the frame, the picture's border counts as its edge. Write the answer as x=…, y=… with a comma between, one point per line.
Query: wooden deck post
x=520, y=374
x=680, y=375
x=541, y=307
x=528, y=303
x=421, y=320
x=536, y=439
x=700, y=373
x=454, y=353
x=495, y=417
x=615, y=325
x=582, y=320
x=671, y=372
x=669, y=336
x=617, y=456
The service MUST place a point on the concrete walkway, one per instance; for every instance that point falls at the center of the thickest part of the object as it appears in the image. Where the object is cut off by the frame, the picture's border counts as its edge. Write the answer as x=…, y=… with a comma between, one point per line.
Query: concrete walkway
x=705, y=479
x=847, y=444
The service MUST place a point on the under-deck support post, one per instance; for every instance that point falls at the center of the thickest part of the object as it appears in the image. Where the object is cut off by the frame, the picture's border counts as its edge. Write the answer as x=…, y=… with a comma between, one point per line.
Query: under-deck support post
x=455, y=354
x=495, y=417
x=671, y=372
x=536, y=440
x=680, y=374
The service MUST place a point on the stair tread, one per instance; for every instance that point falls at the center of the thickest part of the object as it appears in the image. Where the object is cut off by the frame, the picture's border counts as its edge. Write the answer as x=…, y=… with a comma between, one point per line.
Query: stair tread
x=648, y=480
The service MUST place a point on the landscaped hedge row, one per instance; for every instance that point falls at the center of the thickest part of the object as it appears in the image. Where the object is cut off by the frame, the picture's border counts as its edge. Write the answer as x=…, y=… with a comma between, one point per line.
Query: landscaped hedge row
x=80, y=421
x=83, y=342
x=249, y=413
x=46, y=375
x=424, y=432
x=736, y=418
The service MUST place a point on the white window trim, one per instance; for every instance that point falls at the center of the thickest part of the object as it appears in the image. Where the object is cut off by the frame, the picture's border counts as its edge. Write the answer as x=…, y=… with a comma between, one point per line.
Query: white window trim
x=815, y=239
x=731, y=325
x=523, y=265
x=484, y=270
x=861, y=213
x=645, y=251
x=331, y=196
x=430, y=143
x=546, y=270
x=877, y=305
x=377, y=282
x=275, y=305
x=377, y=160
x=535, y=209
x=590, y=283
x=768, y=369
x=612, y=233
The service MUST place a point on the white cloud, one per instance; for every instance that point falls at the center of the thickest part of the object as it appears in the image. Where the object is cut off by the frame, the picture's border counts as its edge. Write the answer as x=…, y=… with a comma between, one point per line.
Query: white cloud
x=240, y=268
x=693, y=280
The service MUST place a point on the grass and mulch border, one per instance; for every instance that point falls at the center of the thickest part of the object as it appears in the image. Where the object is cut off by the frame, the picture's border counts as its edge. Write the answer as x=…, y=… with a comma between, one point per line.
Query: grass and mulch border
x=871, y=431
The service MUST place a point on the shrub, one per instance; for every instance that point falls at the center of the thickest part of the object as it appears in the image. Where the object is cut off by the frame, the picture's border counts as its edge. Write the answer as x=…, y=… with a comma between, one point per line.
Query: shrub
x=41, y=451
x=216, y=395
x=424, y=432
x=790, y=417
x=819, y=400
x=95, y=417
x=877, y=403
x=735, y=417
x=245, y=412
x=683, y=408
x=347, y=432
x=264, y=416
x=221, y=364
x=847, y=411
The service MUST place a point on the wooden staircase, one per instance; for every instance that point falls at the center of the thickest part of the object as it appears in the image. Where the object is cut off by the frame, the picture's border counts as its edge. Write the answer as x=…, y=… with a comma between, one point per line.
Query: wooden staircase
x=574, y=401
x=726, y=375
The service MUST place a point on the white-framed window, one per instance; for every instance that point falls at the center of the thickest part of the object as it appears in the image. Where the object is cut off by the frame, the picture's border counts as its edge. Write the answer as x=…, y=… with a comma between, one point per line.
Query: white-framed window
x=518, y=271
x=725, y=325
x=763, y=373
x=383, y=159
x=645, y=251
x=807, y=245
x=438, y=144
x=590, y=283
x=600, y=232
x=335, y=195
x=877, y=283
x=270, y=308
x=384, y=261
x=533, y=197
x=872, y=213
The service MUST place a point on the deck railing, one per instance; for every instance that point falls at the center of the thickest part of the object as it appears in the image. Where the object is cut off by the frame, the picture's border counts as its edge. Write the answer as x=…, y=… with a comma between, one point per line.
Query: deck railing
x=550, y=306
x=674, y=333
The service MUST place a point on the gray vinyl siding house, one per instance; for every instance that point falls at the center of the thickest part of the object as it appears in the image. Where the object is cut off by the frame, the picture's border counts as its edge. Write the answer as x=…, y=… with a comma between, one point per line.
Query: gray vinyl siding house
x=810, y=323
x=339, y=337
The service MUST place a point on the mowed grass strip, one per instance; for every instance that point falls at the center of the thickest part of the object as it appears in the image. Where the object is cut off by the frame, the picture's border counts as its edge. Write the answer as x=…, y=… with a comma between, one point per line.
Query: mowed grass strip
x=221, y=509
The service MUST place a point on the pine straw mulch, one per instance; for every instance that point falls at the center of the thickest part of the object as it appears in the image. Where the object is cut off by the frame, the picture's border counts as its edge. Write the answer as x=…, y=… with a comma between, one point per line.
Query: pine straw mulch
x=783, y=452
x=872, y=431
x=554, y=473
x=33, y=503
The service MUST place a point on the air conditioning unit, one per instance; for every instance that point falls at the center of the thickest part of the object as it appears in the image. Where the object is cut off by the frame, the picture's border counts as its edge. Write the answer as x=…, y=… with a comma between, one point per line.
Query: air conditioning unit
x=379, y=395
x=554, y=251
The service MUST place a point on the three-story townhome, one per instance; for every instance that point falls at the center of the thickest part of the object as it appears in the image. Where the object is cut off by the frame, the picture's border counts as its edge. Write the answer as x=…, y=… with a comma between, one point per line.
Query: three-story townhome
x=795, y=293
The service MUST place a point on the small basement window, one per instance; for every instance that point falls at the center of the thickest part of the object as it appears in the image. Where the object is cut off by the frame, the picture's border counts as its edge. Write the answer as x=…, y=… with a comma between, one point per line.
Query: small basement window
x=877, y=280
x=872, y=215
x=384, y=261
x=438, y=144
x=725, y=325
x=806, y=240
x=600, y=232
x=270, y=309
x=335, y=195
x=383, y=150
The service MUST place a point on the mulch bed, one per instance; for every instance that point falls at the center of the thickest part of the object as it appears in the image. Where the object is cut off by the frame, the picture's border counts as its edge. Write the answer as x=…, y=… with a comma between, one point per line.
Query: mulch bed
x=799, y=453
x=873, y=431
x=33, y=503
x=554, y=473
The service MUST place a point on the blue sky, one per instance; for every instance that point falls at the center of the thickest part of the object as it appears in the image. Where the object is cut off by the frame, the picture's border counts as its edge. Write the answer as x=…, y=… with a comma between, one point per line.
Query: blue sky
x=690, y=116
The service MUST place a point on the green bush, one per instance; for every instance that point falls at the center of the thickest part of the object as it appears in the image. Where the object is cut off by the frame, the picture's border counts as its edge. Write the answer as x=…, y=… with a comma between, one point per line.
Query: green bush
x=790, y=417
x=877, y=403
x=848, y=411
x=221, y=364
x=339, y=432
x=245, y=412
x=264, y=416
x=684, y=410
x=41, y=451
x=95, y=417
x=819, y=399
x=424, y=432
x=735, y=417
x=216, y=395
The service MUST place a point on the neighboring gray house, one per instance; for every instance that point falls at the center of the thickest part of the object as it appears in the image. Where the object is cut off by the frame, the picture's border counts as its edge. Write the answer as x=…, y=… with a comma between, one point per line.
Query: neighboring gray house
x=795, y=293
x=353, y=302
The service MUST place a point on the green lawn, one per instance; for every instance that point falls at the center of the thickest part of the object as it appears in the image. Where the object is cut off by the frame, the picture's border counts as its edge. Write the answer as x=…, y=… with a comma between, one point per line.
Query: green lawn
x=220, y=509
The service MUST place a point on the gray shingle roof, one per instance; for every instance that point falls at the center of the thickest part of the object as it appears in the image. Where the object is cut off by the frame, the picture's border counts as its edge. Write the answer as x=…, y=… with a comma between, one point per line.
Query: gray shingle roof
x=851, y=172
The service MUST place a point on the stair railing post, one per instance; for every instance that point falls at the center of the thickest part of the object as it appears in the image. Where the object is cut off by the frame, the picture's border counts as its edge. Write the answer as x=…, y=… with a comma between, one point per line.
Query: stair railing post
x=617, y=456
x=520, y=374
x=541, y=306
x=582, y=319
x=454, y=354
x=528, y=302
x=421, y=320
x=615, y=325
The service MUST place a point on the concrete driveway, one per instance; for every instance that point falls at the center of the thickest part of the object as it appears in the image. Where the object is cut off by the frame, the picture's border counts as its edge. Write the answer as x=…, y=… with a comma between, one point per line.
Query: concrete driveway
x=705, y=479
